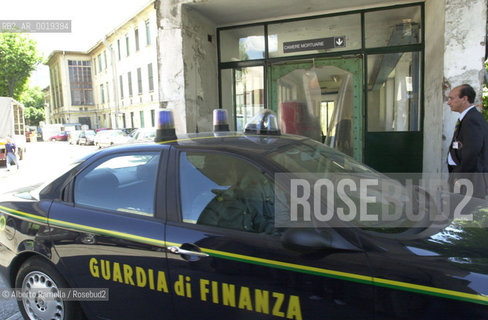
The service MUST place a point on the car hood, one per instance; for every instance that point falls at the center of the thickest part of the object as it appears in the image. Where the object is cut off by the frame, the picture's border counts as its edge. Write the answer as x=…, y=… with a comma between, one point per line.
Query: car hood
x=461, y=241
x=24, y=193
x=464, y=237
x=451, y=257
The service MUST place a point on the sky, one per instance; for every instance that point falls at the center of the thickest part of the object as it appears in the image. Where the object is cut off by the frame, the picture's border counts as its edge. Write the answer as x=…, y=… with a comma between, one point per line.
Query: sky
x=91, y=20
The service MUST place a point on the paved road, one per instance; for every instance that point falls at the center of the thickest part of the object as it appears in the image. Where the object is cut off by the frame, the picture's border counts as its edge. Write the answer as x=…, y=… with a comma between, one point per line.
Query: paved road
x=8, y=307
x=42, y=161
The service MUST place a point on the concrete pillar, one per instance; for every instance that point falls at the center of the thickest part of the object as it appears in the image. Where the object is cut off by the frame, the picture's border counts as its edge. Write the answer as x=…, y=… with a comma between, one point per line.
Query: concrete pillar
x=187, y=65
x=452, y=33
x=171, y=80
x=433, y=85
x=201, y=69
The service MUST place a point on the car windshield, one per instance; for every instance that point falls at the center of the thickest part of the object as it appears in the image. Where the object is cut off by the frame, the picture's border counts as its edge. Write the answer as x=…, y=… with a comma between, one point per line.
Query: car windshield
x=313, y=157
x=350, y=192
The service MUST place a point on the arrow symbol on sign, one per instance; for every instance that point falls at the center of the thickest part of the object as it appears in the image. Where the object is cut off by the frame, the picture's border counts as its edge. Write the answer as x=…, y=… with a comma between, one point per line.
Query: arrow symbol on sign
x=339, y=41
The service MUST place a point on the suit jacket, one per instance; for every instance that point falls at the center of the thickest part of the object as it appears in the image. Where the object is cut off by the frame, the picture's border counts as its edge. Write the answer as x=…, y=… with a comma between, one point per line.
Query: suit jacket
x=471, y=156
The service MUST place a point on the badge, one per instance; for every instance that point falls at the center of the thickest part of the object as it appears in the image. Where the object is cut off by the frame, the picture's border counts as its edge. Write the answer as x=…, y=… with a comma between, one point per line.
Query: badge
x=457, y=145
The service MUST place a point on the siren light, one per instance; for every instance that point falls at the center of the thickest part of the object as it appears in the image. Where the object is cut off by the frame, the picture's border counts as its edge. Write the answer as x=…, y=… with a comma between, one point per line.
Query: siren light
x=220, y=120
x=166, y=126
x=265, y=122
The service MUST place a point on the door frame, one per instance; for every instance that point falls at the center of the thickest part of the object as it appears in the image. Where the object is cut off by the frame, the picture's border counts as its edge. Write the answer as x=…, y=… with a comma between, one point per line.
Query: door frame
x=354, y=65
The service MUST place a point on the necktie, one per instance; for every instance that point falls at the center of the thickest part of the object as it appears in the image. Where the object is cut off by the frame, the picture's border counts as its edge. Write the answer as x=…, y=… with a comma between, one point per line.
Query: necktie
x=454, y=138
x=456, y=128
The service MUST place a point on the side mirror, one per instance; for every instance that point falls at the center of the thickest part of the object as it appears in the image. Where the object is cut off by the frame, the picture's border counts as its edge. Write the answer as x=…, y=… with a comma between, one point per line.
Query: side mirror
x=311, y=240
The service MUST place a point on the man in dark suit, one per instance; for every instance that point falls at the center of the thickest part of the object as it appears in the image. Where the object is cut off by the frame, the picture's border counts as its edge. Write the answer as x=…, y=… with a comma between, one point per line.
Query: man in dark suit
x=468, y=152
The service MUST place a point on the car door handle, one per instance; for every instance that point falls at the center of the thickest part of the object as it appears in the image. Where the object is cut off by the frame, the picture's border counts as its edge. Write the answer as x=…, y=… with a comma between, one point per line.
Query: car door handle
x=178, y=250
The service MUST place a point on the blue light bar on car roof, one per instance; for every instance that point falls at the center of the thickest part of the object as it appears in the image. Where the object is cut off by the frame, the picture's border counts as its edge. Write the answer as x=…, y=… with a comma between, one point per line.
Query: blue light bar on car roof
x=265, y=122
x=166, y=126
x=220, y=120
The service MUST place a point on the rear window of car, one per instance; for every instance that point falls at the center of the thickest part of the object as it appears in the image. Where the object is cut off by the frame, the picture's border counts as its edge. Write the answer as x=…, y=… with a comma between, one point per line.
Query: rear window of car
x=122, y=183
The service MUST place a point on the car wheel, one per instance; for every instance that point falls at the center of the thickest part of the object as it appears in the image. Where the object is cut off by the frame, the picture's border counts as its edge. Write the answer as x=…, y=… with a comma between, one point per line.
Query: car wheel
x=36, y=277
x=53, y=140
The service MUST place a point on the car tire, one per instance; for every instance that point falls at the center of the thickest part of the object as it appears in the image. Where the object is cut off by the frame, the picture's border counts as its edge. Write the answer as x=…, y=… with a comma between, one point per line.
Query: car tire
x=37, y=274
x=53, y=140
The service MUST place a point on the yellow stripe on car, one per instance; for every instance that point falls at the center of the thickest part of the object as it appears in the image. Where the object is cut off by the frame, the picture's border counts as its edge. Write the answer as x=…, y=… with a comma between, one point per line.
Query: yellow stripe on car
x=369, y=280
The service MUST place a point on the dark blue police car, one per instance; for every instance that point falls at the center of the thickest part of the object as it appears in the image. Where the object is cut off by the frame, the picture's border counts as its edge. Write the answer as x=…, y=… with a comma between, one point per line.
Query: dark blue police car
x=186, y=229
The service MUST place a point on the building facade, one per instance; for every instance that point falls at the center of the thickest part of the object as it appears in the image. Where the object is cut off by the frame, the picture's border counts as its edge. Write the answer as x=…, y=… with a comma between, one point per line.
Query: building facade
x=47, y=103
x=114, y=83
x=71, y=94
x=370, y=78
x=367, y=77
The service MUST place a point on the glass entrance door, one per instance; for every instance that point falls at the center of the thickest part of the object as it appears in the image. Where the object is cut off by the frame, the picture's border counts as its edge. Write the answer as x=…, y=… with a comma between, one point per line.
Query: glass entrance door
x=394, y=136
x=242, y=94
x=321, y=99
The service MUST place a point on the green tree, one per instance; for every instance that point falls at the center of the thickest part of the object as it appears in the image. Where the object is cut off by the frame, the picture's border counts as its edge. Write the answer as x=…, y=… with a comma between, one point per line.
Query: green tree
x=33, y=101
x=18, y=58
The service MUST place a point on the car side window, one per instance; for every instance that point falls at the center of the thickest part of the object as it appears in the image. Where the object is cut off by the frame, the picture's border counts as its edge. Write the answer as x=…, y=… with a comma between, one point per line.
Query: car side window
x=123, y=183
x=225, y=191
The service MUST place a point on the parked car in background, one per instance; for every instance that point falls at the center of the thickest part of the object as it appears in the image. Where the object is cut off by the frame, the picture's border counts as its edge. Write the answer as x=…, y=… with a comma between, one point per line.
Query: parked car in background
x=143, y=134
x=108, y=138
x=87, y=137
x=74, y=136
x=62, y=136
x=130, y=131
x=100, y=136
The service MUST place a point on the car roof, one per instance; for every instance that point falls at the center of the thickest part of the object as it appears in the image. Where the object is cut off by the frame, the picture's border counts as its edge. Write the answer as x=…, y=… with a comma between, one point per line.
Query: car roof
x=236, y=141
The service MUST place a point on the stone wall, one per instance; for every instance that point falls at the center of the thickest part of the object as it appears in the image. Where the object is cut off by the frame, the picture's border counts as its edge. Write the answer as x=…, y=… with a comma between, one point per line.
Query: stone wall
x=187, y=64
x=170, y=62
x=464, y=55
x=454, y=54
x=201, y=70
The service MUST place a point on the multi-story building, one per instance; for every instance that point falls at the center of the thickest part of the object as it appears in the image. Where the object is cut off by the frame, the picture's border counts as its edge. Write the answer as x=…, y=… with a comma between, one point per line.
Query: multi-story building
x=114, y=83
x=71, y=88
